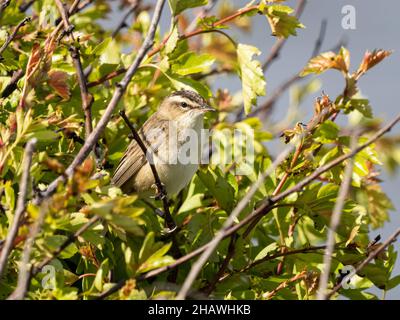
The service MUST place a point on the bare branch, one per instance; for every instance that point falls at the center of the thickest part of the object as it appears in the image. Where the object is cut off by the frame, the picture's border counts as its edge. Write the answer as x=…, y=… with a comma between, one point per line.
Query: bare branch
x=118, y=93
x=335, y=220
x=368, y=260
x=26, y=5
x=13, y=34
x=4, y=5
x=87, y=98
x=12, y=85
x=25, y=267
x=21, y=204
x=132, y=9
x=231, y=252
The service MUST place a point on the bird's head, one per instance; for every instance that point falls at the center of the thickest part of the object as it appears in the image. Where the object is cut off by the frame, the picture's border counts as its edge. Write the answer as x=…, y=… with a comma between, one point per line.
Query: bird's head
x=184, y=103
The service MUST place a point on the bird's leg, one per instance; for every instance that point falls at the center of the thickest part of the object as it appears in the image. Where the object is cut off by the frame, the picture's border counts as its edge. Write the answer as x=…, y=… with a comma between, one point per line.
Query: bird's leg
x=160, y=191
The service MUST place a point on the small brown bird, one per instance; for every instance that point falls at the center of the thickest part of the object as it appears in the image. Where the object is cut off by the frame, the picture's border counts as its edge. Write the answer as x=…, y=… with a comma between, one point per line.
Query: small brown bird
x=165, y=135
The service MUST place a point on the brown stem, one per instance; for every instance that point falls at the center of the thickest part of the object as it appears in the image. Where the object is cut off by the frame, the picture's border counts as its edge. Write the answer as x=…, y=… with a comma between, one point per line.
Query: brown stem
x=21, y=204
x=13, y=34
x=87, y=98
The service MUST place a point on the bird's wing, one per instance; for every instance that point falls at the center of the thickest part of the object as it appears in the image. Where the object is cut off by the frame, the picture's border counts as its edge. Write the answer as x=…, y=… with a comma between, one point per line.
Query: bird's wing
x=153, y=135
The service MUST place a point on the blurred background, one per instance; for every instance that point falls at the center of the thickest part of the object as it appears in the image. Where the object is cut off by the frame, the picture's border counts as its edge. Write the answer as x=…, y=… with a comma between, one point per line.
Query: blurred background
x=376, y=27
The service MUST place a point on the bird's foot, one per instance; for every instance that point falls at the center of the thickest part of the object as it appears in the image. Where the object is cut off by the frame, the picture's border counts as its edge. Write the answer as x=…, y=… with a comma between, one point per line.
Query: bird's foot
x=161, y=192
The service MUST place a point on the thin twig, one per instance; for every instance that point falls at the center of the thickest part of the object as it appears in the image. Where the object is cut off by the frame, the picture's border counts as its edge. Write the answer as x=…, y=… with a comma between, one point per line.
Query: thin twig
x=320, y=39
x=26, y=5
x=87, y=98
x=335, y=220
x=65, y=244
x=225, y=263
x=4, y=5
x=25, y=267
x=204, y=12
x=118, y=93
x=13, y=34
x=21, y=204
x=162, y=193
x=368, y=260
x=12, y=85
x=134, y=5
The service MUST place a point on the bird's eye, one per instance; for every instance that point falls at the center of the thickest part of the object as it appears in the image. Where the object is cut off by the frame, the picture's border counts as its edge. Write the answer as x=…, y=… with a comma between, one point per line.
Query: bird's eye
x=184, y=105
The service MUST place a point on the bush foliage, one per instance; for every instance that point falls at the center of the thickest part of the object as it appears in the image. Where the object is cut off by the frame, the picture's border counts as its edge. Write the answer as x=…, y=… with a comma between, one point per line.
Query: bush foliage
x=280, y=257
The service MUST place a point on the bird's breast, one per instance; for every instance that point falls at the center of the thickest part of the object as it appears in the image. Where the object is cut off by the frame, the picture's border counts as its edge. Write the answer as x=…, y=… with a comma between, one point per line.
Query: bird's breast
x=178, y=158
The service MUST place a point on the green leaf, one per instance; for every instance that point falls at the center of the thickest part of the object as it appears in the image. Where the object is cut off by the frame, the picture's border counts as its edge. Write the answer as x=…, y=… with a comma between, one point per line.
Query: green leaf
x=111, y=53
x=393, y=283
x=148, y=243
x=264, y=252
x=177, y=6
x=327, y=132
x=55, y=241
x=253, y=81
x=101, y=274
x=172, y=40
x=219, y=187
x=187, y=83
x=361, y=105
x=157, y=259
x=192, y=62
x=282, y=23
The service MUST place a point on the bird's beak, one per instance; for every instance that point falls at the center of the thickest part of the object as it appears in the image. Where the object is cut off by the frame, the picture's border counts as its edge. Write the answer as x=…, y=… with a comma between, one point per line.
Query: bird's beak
x=206, y=108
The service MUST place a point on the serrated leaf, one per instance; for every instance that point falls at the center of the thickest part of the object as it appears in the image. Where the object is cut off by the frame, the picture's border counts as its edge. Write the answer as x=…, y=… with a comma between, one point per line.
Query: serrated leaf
x=282, y=23
x=253, y=81
x=326, y=61
x=361, y=105
x=371, y=59
x=58, y=81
